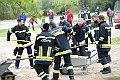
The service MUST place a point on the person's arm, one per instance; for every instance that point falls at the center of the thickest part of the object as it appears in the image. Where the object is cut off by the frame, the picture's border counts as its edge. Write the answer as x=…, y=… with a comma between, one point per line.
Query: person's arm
x=36, y=47
x=10, y=31
x=73, y=37
x=28, y=34
x=71, y=17
x=102, y=33
x=89, y=34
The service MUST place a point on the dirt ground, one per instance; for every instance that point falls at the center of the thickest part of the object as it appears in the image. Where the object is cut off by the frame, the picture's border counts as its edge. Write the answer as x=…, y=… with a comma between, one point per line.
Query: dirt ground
x=26, y=73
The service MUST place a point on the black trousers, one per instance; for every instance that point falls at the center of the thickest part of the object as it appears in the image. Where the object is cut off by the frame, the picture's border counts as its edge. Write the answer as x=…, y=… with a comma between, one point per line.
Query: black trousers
x=70, y=23
x=81, y=51
x=20, y=51
x=42, y=68
x=57, y=61
x=104, y=57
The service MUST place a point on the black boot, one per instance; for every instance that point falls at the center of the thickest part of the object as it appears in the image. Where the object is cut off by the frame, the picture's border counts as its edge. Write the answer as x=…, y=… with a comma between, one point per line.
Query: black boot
x=102, y=70
x=71, y=77
x=45, y=78
x=55, y=76
x=107, y=70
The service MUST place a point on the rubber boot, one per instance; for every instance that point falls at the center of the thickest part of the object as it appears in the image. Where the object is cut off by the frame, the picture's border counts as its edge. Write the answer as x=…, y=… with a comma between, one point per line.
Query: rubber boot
x=107, y=70
x=71, y=77
x=55, y=76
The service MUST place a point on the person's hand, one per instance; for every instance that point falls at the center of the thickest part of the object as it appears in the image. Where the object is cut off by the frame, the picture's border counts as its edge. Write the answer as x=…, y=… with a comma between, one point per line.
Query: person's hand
x=75, y=46
x=93, y=42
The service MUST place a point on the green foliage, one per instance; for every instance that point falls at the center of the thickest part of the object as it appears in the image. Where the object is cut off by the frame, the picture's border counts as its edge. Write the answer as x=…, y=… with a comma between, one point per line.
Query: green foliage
x=10, y=9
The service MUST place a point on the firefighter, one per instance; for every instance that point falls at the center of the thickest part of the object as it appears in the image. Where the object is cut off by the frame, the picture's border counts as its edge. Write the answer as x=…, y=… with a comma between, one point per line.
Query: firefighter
x=63, y=22
x=81, y=13
x=95, y=27
x=104, y=44
x=23, y=40
x=88, y=19
x=80, y=30
x=44, y=45
x=61, y=34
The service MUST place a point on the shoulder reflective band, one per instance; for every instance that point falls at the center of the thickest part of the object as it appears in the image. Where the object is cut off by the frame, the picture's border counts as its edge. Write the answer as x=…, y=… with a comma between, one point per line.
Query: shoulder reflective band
x=63, y=52
x=45, y=37
x=69, y=67
x=58, y=33
x=56, y=71
x=96, y=28
x=106, y=45
x=106, y=65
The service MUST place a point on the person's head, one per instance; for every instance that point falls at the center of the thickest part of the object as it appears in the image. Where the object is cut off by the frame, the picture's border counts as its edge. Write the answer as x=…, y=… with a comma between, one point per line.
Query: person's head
x=46, y=26
x=68, y=10
x=50, y=10
x=20, y=21
x=62, y=18
x=80, y=22
x=97, y=7
x=52, y=25
x=100, y=18
x=23, y=13
x=94, y=17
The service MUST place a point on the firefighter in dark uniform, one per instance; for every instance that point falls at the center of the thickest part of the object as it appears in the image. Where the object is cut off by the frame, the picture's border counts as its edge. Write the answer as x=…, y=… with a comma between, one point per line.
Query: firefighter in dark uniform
x=44, y=45
x=63, y=22
x=88, y=19
x=104, y=44
x=61, y=34
x=81, y=13
x=80, y=31
x=23, y=40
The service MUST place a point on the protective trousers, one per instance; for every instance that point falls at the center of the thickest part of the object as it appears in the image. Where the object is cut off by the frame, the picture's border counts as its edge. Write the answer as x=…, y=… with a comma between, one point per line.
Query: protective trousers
x=57, y=61
x=42, y=71
x=105, y=59
x=20, y=51
x=81, y=51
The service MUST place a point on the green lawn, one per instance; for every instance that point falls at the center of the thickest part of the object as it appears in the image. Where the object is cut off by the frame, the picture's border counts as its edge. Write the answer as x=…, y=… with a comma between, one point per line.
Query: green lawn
x=116, y=41
x=113, y=78
x=3, y=32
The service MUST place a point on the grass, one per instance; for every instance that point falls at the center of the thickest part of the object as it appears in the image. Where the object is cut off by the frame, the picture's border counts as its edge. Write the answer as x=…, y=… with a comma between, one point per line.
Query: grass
x=116, y=41
x=3, y=32
x=113, y=78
